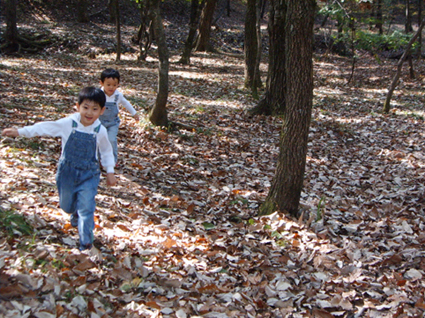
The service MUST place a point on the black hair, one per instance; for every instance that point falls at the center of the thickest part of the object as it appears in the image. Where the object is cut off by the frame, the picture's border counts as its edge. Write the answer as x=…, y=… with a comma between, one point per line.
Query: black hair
x=92, y=94
x=109, y=73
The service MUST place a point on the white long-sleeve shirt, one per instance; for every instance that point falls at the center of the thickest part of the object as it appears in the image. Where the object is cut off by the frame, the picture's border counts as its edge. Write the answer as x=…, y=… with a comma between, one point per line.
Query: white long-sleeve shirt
x=121, y=101
x=63, y=127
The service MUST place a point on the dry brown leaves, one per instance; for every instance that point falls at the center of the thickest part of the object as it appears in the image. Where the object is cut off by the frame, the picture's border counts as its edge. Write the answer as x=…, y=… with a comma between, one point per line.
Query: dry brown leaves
x=179, y=235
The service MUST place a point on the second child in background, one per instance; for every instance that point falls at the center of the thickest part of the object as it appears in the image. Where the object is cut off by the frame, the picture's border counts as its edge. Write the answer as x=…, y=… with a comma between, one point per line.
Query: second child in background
x=110, y=80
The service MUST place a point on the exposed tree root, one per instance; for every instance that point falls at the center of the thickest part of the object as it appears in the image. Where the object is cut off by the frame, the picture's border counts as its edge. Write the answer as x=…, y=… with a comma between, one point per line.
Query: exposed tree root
x=25, y=44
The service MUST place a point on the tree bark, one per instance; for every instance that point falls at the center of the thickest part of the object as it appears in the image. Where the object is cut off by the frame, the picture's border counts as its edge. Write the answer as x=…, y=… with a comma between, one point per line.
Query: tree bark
x=273, y=100
x=408, y=26
x=11, y=35
x=82, y=11
x=158, y=113
x=420, y=34
x=112, y=11
x=143, y=38
x=250, y=45
x=193, y=26
x=285, y=192
x=203, y=41
x=118, y=27
x=394, y=83
x=379, y=16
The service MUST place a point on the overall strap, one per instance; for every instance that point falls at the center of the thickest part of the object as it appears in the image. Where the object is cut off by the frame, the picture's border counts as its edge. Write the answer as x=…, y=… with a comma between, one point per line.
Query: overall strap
x=97, y=129
x=116, y=98
x=74, y=124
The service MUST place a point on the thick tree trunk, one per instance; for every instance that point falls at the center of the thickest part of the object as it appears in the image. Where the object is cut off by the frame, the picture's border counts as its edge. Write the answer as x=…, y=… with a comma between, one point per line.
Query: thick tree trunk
x=273, y=100
x=203, y=41
x=11, y=35
x=158, y=113
x=193, y=26
x=285, y=192
x=118, y=27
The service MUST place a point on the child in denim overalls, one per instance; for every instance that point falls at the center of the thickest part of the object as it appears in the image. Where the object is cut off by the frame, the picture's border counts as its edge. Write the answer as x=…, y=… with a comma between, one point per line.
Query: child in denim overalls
x=110, y=80
x=78, y=173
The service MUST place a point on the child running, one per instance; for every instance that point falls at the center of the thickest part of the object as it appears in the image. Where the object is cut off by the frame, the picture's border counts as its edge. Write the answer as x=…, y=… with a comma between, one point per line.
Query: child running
x=78, y=173
x=110, y=80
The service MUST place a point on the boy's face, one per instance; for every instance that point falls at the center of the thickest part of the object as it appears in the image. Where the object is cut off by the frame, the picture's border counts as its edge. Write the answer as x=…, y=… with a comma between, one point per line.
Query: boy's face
x=110, y=85
x=89, y=111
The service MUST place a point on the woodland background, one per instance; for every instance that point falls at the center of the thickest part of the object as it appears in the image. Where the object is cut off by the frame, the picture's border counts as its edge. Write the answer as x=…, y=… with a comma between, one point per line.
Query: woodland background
x=180, y=235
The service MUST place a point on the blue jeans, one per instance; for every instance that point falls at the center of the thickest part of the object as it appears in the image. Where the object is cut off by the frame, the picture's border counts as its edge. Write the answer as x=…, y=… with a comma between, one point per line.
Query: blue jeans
x=111, y=121
x=77, y=191
x=77, y=180
x=112, y=136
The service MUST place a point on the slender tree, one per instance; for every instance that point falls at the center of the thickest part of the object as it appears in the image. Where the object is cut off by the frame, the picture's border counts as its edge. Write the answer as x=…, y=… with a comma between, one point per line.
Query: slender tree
x=273, y=100
x=193, y=26
x=144, y=36
x=158, y=113
x=298, y=21
x=408, y=29
x=112, y=10
x=82, y=11
x=203, y=41
x=408, y=25
x=420, y=5
x=118, y=27
x=379, y=16
x=251, y=46
x=387, y=103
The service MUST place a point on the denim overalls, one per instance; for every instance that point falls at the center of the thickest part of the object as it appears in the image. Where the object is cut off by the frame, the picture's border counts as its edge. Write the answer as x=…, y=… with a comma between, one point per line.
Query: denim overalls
x=77, y=180
x=111, y=121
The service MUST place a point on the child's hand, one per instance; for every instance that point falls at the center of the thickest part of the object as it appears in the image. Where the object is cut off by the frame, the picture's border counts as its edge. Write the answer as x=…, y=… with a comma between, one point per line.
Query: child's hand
x=10, y=132
x=110, y=179
x=136, y=117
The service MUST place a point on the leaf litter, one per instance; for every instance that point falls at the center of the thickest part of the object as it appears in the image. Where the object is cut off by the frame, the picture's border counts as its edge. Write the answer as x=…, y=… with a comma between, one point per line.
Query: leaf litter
x=179, y=235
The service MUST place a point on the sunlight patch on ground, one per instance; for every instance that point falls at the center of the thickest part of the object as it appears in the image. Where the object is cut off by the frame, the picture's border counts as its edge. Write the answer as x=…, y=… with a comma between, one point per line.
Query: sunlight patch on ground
x=324, y=92
x=219, y=103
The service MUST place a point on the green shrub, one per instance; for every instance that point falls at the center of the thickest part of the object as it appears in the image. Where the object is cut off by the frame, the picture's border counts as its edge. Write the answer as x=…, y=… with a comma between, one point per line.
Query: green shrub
x=14, y=224
x=379, y=42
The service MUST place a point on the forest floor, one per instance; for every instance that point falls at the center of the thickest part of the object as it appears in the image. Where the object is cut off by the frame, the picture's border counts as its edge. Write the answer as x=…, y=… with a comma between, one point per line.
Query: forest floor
x=179, y=235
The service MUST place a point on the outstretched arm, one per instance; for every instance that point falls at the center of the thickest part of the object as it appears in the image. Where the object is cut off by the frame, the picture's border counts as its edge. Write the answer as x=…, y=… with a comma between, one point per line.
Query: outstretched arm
x=10, y=132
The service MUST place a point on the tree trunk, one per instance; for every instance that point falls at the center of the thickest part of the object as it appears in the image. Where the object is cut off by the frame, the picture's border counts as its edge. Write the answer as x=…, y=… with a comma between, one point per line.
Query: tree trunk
x=257, y=75
x=394, y=83
x=285, y=192
x=11, y=35
x=409, y=29
x=112, y=10
x=82, y=11
x=408, y=26
x=420, y=34
x=203, y=41
x=193, y=26
x=144, y=36
x=273, y=100
x=379, y=16
x=118, y=26
x=250, y=45
x=158, y=113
